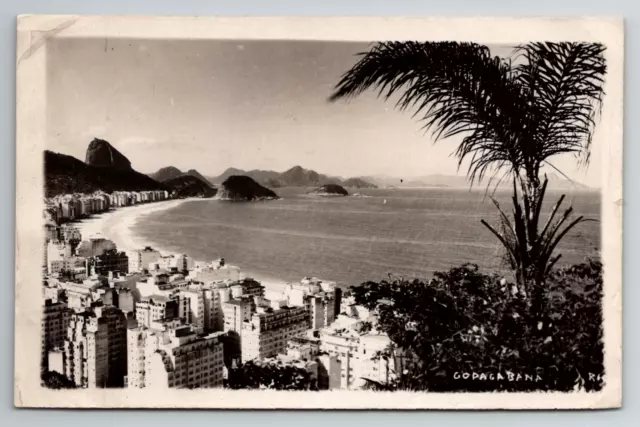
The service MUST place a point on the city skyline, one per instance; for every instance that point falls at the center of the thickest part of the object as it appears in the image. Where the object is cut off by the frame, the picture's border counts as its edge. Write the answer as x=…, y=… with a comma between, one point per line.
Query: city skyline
x=211, y=105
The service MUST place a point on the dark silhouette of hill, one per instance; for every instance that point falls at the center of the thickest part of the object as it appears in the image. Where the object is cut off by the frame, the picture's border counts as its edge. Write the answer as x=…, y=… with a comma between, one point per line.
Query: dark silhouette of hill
x=171, y=172
x=244, y=188
x=330, y=190
x=166, y=173
x=189, y=186
x=66, y=174
x=101, y=153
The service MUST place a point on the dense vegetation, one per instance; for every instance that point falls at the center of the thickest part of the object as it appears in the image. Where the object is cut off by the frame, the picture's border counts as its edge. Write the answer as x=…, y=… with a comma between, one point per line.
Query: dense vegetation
x=250, y=375
x=463, y=330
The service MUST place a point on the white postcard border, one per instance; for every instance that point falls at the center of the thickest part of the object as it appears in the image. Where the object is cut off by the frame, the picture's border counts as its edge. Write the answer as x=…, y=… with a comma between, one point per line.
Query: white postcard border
x=35, y=30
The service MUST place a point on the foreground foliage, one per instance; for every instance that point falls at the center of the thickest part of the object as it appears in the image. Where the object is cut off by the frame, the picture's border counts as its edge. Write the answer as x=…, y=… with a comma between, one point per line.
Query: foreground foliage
x=251, y=375
x=468, y=331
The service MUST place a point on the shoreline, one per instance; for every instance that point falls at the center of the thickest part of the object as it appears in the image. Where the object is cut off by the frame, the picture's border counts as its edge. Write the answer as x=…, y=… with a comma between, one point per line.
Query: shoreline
x=118, y=226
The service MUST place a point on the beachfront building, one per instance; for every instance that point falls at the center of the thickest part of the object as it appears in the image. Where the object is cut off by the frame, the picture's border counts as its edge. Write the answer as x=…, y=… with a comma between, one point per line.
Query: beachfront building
x=360, y=354
x=176, y=262
x=54, y=324
x=94, y=246
x=170, y=355
x=109, y=261
x=317, y=296
x=95, y=348
x=140, y=259
x=269, y=329
x=215, y=271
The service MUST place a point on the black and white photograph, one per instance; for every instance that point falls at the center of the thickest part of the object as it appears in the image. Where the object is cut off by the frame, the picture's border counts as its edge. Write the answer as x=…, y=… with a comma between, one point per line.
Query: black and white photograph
x=414, y=216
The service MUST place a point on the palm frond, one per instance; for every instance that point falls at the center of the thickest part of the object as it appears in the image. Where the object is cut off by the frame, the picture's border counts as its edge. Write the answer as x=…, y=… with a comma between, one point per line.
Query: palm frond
x=454, y=88
x=564, y=83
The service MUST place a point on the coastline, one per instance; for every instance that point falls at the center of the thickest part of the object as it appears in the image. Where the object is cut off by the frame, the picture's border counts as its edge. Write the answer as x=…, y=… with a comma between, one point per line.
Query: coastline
x=118, y=226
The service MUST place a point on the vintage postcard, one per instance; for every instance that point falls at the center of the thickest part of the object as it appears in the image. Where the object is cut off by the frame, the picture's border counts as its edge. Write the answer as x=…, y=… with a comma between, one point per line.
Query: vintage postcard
x=319, y=213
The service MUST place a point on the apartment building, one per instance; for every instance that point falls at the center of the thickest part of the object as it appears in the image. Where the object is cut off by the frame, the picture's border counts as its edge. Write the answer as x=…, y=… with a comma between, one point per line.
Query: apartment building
x=170, y=355
x=269, y=329
x=140, y=259
x=154, y=308
x=95, y=348
x=54, y=324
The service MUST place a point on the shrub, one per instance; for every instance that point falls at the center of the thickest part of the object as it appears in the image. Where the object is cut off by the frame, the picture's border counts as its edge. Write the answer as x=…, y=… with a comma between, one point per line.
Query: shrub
x=468, y=331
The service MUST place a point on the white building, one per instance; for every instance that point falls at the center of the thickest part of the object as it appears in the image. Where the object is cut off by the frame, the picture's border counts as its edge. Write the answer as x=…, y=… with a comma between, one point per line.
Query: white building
x=168, y=355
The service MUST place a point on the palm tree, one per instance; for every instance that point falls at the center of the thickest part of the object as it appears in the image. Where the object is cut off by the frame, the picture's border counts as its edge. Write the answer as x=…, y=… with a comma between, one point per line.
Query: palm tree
x=513, y=114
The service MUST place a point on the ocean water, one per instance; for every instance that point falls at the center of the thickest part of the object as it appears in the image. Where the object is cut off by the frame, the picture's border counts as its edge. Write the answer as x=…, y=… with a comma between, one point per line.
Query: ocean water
x=403, y=232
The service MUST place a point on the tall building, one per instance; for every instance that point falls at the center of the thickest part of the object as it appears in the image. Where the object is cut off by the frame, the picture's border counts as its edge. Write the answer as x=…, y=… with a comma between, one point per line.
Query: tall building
x=95, y=349
x=55, y=321
x=154, y=308
x=110, y=261
x=94, y=246
x=359, y=354
x=168, y=355
x=140, y=259
x=269, y=329
x=319, y=297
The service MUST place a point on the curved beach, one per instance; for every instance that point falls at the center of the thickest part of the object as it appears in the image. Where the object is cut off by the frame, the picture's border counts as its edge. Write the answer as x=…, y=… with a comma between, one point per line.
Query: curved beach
x=118, y=225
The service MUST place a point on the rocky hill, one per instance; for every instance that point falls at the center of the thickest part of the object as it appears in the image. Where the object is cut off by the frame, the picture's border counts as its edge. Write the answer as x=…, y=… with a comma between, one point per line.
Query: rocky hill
x=66, y=174
x=167, y=173
x=171, y=172
x=297, y=176
x=329, y=190
x=244, y=188
x=189, y=186
x=357, y=183
x=102, y=154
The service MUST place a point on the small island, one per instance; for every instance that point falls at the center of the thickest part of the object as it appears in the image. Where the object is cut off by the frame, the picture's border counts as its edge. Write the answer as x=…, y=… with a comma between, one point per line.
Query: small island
x=240, y=188
x=329, y=190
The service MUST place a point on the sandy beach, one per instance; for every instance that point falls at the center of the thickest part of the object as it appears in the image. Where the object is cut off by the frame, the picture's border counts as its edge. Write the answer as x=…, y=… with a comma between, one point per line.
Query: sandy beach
x=118, y=225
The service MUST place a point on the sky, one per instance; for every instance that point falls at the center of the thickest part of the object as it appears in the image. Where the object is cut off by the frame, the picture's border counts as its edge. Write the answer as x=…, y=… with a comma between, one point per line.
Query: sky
x=213, y=104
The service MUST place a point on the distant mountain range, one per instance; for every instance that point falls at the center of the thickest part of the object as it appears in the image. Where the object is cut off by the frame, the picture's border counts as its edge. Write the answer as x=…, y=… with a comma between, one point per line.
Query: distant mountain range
x=171, y=172
x=452, y=181
x=297, y=176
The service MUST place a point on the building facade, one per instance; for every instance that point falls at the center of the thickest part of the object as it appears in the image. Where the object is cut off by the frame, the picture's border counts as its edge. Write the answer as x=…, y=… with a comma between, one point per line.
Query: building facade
x=268, y=331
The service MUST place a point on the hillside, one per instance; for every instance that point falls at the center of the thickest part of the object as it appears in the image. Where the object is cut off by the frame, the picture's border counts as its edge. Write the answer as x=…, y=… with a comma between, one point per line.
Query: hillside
x=330, y=190
x=165, y=174
x=66, y=174
x=171, y=172
x=297, y=176
x=244, y=188
x=189, y=186
x=357, y=183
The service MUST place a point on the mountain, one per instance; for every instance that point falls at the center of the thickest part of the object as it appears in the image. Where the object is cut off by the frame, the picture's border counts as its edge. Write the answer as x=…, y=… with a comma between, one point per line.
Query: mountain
x=66, y=174
x=171, y=172
x=165, y=174
x=195, y=173
x=189, y=186
x=297, y=176
x=264, y=177
x=244, y=188
x=357, y=183
x=102, y=154
x=329, y=190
